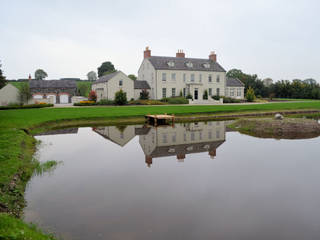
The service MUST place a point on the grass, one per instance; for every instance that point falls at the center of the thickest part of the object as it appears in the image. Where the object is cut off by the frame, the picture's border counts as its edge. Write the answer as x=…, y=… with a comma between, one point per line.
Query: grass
x=13, y=228
x=17, y=145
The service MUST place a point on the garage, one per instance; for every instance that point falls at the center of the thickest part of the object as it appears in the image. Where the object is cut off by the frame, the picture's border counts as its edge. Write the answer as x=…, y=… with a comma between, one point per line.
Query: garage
x=54, y=98
x=64, y=98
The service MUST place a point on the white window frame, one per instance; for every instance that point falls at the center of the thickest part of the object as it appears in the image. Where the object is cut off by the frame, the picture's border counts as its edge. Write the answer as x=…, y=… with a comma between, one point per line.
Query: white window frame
x=164, y=92
x=210, y=91
x=210, y=78
x=192, y=78
x=173, y=92
x=164, y=77
x=218, y=78
x=173, y=76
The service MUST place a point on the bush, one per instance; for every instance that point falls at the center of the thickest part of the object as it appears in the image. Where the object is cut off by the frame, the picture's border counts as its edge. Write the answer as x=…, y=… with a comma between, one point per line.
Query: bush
x=205, y=95
x=230, y=100
x=189, y=96
x=105, y=102
x=92, y=96
x=146, y=102
x=177, y=100
x=18, y=106
x=144, y=94
x=250, y=95
x=120, y=98
x=216, y=97
x=85, y=103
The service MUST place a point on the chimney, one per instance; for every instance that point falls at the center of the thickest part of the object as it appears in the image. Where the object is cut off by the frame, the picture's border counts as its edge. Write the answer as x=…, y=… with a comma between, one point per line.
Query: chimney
x=147, y=53
x=212, y=153
x=148, y=161
x=213, y=56
x=180, y=54
x=181, y=157
x=29, y=77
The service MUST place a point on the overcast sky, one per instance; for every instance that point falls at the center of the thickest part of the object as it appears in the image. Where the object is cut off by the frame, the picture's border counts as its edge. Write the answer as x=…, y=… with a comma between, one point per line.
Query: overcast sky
x=272, y=38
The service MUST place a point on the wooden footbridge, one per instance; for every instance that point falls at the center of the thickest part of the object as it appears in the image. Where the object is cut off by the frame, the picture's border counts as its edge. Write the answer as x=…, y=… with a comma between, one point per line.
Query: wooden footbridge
x=159, y=119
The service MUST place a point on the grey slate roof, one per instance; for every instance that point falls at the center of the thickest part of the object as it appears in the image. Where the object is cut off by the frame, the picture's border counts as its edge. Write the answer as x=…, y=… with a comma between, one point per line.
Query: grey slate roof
x=53, y=84
x=107, y=77
x=141, y=84
x=234, y=82
x=161, y=63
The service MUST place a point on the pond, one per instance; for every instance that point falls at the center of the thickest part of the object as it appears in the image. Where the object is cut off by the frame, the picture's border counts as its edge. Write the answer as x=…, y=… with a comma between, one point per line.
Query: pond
x=190, y=181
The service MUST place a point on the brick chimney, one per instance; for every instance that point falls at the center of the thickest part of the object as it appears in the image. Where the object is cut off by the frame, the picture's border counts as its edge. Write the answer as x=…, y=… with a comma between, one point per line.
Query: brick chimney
x=148, y=161
x=180, y=54
x=29, y=77
x=212, y=153
x=213, y=56
x=147, y=53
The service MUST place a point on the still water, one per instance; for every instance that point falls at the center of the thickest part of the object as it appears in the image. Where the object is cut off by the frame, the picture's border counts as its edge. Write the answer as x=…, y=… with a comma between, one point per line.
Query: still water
x=190, y=181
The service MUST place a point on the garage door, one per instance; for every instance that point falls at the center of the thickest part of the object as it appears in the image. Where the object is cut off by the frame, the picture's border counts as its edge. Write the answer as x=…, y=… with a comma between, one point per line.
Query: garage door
x=64, y=98
x=37, y=97
x=54, y=98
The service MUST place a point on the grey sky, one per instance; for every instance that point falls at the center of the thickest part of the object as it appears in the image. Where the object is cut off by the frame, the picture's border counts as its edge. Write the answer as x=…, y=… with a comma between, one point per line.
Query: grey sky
x=277, y=39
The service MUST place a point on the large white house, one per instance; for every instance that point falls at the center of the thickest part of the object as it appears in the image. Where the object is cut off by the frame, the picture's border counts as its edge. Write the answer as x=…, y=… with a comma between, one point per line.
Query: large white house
x=172, y=76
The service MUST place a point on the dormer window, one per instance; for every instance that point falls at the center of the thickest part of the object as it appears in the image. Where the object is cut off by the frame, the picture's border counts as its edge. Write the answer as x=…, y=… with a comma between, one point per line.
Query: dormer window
x=189, y=64
x=171, y=63
x=206, y=65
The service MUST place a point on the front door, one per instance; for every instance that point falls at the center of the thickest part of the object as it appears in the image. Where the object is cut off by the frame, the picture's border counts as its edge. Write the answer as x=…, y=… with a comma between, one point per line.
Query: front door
x=196, y=94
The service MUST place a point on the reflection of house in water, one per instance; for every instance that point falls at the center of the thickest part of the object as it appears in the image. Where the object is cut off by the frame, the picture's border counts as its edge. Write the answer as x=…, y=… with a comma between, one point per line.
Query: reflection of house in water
x=59, y=131
x=183, y=139
x=121, y=135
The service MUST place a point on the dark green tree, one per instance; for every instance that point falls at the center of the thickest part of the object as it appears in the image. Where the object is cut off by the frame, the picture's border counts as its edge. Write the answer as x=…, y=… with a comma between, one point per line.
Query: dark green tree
x=120, y=98
x=24, y=93
x=132, y=76
x=105, y=68
x=144, y=94
x=40, y=74
x=3, y=81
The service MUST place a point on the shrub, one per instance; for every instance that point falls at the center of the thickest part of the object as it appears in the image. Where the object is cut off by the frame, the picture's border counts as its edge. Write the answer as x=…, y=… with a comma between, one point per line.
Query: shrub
x=144, y=94
x=177, y=100
x=250, y=95
x=189, y=96
x=120, y=98
x=230, y=100
x=146, y=102
x=85, y=103
x=89, y=102
x=92, y=96
x=18, y=106
x=105, y=102
x=216, y=97
x=205, y=95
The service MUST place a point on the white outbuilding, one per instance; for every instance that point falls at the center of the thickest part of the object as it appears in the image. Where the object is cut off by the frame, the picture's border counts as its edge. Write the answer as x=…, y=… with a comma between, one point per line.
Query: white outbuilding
x=9, y=94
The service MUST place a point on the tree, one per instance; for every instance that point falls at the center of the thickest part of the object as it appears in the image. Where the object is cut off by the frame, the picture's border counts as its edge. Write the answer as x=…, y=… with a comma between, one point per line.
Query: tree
x=132, y=76
x=120, y=98
x=92, y=76
x=40, y=74
x=205, y=95
x=3, y=81
x=144, y=94
x=24, y=93
x=92, y=96
x=105, y=68
x=250, y=96
x=83, y=88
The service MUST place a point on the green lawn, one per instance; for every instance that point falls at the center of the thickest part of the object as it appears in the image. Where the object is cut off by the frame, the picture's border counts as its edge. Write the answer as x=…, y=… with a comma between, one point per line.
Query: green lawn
x=17, y=147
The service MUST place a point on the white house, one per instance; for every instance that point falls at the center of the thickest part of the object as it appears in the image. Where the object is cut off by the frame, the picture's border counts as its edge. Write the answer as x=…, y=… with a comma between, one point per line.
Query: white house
x=107, y=86
x=171, y=76
x=9, y=94
x=234, y=88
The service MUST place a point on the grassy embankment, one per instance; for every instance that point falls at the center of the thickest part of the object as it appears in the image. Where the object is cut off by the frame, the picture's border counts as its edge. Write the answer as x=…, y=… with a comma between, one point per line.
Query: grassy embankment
x=17, y=147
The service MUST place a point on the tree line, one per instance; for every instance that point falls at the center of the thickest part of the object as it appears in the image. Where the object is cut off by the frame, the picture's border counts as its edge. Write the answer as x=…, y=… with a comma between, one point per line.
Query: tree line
x=297, y=88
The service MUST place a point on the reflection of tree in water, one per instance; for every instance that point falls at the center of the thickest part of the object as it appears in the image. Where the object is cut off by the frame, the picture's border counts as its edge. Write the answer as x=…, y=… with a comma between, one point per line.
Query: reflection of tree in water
x=121, y=128
x=46, y=167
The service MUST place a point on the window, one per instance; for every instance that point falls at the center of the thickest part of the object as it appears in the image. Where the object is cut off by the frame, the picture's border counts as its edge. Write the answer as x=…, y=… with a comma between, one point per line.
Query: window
x=206, y=65
x=173, y=92
x=200, y=77
x=164, y=77
x=171, y=64
x=174, y=138
x=231, y=92
x=200, y=135
x=210, y=78
x=164, y=92
x=185, y=137
x=192, y=136
x=218, y=91
x=218, y=78
x=217, y=134
x=210, y=91
x=210, y=135
x=184, y=92
x=184, y=77
x=189, y=64
x=120, y=83
x=239, y=92
x=164, y=138
x=192, y=77
x=173, y=76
